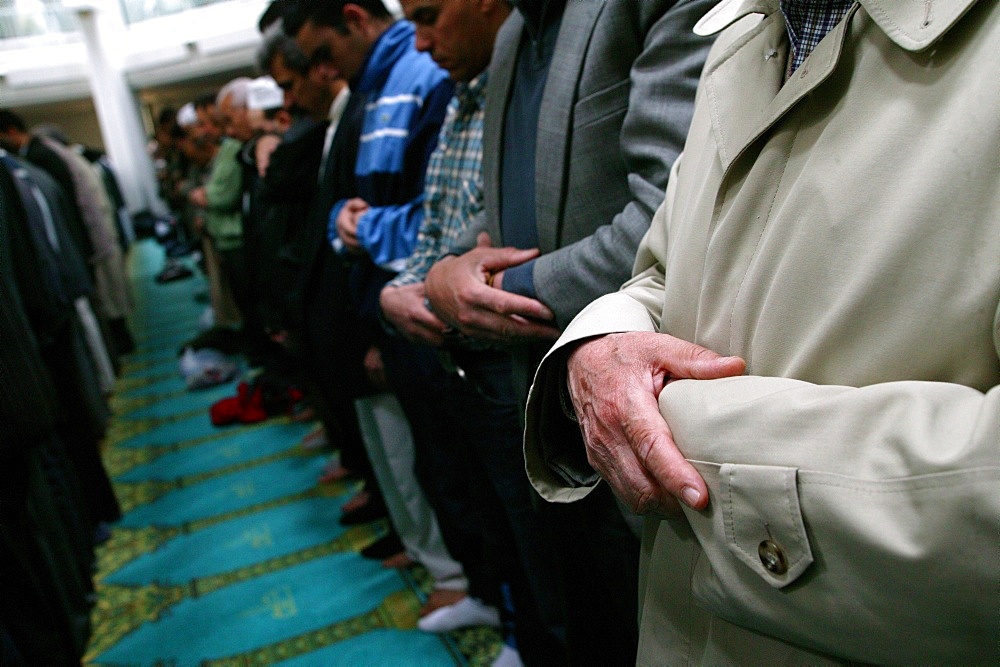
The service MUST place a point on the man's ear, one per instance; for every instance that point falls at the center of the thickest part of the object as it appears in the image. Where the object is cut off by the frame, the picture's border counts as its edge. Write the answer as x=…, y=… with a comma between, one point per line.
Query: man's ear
x=493, y=7
x=355, y=15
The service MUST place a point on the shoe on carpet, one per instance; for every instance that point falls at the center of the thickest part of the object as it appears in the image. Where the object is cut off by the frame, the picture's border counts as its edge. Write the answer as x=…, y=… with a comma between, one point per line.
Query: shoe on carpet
x=173, y=271
x=228, y=410
x=382, y=548
x=466, y=612
x=179, y=249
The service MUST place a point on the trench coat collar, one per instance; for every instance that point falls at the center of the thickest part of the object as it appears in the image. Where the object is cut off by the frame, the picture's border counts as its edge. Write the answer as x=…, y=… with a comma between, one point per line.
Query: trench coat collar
x=744, y=107
x=913, y=26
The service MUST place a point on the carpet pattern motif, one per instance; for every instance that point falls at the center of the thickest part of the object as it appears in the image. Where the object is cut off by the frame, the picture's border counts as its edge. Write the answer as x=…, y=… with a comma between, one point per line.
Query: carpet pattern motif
x=229, y=552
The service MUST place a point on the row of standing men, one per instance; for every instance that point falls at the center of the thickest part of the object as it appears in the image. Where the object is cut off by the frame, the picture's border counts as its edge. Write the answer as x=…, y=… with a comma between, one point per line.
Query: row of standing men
x=518, y=152
x=64, y=231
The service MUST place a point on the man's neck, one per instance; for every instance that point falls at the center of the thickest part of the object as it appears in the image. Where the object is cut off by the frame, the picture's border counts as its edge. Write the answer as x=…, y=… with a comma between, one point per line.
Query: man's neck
x=374, y=29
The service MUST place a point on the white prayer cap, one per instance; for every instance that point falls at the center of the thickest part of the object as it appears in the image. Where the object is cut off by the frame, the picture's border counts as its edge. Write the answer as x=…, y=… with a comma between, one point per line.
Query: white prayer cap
x=187, y=116
x=264, y=93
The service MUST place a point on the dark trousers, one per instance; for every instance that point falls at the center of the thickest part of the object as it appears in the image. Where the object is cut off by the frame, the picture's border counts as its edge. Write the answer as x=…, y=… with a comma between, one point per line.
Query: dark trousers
x=599, y=554
x=420, y=384
x=235, y=266
x=233, y=263
x=333, y=355
x=599, y=557
x=45, y=579
x=484, y=399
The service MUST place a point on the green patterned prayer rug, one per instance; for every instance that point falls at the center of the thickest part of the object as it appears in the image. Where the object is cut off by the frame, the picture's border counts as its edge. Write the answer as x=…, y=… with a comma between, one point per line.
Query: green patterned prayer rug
x=229, y=552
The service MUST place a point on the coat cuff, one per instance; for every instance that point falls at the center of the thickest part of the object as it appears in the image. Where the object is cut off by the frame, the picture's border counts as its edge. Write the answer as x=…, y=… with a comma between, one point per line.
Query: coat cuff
x=555, y=456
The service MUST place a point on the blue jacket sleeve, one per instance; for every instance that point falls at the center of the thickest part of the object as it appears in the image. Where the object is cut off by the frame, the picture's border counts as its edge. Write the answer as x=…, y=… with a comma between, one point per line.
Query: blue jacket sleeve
x=389, y=233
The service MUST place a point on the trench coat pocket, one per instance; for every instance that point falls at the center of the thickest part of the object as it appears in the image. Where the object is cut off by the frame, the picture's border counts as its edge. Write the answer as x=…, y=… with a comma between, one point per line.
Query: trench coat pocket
x=763, y=521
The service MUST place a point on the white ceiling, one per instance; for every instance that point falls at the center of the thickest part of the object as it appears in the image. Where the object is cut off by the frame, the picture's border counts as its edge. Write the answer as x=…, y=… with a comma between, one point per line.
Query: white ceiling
x=193, y=50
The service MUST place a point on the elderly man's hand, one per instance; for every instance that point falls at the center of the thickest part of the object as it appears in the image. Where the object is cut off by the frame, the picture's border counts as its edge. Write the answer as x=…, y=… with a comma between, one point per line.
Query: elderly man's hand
x=614, y=382
x=459, y=294
x=403, y=306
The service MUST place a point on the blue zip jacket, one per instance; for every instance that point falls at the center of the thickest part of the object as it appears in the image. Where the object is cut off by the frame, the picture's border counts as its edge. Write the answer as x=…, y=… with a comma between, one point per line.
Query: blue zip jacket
x=407, y=97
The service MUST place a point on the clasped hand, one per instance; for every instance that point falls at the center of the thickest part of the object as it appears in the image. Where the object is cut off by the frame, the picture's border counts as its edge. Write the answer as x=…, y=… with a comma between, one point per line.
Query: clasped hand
x=615, y=382
x=459, y=295
x=403, y=306
x=347, y=223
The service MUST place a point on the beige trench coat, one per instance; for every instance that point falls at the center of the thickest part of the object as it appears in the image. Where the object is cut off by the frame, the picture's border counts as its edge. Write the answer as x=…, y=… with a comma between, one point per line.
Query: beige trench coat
x=841, y=232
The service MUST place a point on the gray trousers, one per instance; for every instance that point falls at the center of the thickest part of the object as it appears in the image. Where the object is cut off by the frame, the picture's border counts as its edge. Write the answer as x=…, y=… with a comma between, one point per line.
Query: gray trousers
x=389, y=444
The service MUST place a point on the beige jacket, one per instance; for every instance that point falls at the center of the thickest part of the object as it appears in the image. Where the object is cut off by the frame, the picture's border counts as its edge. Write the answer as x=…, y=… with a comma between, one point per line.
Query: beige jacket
x=841, y=232
x=110, y=282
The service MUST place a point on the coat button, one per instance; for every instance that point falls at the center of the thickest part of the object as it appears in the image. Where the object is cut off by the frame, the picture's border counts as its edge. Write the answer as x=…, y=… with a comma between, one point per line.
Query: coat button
x=772, y=557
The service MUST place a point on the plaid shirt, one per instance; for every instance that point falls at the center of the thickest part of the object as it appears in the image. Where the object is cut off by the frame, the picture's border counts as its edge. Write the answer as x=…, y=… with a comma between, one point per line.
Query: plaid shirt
x=453, y=184
x=807, y=22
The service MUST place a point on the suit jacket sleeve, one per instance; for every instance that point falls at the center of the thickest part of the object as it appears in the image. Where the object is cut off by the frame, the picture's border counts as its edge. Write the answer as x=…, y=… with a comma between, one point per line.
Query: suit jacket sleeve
x=663, y=80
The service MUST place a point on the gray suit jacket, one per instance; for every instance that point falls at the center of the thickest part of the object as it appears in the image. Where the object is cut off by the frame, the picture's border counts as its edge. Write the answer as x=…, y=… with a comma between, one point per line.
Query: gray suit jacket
x=614, y=116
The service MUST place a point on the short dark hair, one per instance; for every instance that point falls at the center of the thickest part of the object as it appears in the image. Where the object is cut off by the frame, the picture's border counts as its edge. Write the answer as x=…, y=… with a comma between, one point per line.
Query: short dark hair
x=167, y=116
x=274, y=12
x=276, y=43
x=205, y=101
x=328, y=13
x=10, y=120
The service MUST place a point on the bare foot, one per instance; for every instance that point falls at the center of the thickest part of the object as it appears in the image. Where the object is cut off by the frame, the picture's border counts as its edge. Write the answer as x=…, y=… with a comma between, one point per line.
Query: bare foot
x=334, y=474
x=398, y=561
x=306, y=414
x=315, y=438
x=359, y=500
